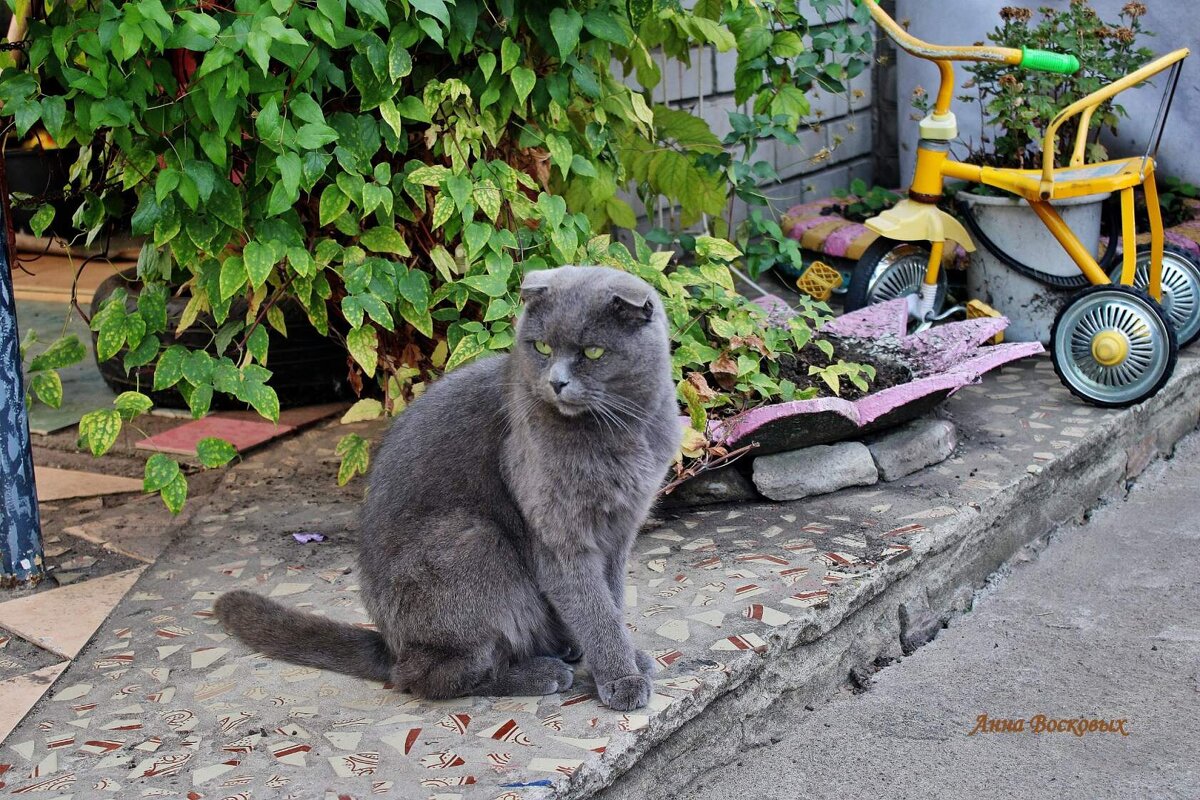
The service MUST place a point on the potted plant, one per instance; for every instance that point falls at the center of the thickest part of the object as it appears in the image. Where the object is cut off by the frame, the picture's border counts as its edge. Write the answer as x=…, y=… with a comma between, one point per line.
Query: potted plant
x=1016, y=108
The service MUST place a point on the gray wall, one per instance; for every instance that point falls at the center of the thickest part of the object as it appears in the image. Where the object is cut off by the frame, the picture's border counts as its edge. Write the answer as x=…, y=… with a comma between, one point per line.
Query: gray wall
x=1175, y=22
x=840, y=128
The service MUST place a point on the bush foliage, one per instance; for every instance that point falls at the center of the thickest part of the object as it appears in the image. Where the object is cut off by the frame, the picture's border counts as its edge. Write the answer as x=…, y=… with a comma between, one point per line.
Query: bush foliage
x=397, y=165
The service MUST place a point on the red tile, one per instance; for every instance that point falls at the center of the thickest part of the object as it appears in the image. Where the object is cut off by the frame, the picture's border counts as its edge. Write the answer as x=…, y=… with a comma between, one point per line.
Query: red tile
x=243, y=434
x=297, y=418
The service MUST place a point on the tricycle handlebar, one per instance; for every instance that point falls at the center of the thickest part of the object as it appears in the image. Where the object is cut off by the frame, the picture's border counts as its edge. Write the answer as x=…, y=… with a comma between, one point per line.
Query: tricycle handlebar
x=1032, y=59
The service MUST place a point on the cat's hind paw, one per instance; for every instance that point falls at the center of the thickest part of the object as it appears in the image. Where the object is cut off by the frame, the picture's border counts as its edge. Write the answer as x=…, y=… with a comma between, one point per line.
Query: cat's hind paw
x=537, y=676
x=625, y=694
x=645, y=662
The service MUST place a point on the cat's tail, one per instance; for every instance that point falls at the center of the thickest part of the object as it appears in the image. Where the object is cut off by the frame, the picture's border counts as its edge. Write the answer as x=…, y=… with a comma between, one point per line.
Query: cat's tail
x=304, y=639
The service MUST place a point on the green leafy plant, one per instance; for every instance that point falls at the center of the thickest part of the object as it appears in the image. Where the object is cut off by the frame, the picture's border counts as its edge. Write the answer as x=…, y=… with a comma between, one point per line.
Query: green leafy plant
x=1016, y=105
x=44, y=382
x=1177, y=198
x=857, y=374
x=395, y=167
x=861, y=202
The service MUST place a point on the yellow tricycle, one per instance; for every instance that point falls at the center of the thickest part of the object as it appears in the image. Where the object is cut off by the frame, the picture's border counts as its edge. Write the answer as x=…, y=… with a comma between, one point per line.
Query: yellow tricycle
x=1115, y=342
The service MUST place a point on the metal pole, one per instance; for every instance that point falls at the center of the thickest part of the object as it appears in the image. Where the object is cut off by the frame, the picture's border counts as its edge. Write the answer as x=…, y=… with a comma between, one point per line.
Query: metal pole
x=21, y=556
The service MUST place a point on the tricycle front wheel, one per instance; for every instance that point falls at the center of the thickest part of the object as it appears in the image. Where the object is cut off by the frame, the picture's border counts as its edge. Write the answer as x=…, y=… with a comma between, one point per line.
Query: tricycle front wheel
x=889, y=269
x=1113, y=346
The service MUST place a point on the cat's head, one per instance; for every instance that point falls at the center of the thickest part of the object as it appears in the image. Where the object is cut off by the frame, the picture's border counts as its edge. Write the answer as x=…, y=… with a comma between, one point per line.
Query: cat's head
x=592, y=339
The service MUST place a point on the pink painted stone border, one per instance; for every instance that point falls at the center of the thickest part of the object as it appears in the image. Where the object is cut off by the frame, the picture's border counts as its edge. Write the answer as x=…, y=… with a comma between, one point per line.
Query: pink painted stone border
x=949, y=357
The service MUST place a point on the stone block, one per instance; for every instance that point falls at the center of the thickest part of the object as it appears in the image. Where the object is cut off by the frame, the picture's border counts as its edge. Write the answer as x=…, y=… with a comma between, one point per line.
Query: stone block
x=814, y=470
x=717, y=486
x=915, y=446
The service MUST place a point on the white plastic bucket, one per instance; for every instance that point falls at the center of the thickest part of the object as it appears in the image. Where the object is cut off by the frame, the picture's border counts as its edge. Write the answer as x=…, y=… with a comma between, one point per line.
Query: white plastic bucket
x=1014, y=227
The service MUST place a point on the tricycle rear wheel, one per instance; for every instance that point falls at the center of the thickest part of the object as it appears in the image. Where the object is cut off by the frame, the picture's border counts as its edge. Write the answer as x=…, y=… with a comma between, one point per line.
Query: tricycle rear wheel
x=1180, y=288
x=1113, y=346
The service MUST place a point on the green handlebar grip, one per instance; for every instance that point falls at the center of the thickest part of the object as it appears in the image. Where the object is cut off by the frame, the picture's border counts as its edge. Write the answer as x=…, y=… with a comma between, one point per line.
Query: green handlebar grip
x=1046, y=61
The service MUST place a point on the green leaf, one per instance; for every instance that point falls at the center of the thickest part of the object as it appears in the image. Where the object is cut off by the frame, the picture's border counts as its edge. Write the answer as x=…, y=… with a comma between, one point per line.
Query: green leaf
x=523, y=80
x=41, y=219
x=710, y=247
x=143, y=354
x=63, y=353
x=215, y=452
x=385, y=240
x=490, y=285
x=334, y=203
x=312, y=136
x=131, y=404
x=174, y=494
x=434, y=8
x=233, y=277
x=198, y=368
x=363, y=410
x=371, y=8
x=264, y=400
x=259, y=259
x=566, y=24
x=363, y=344
x=467, y=349
x=98, y=430
x=152, y=307
x=356, y=457
x=510, y=53
x=399, y=61
x=160, y=471
x=169, y=370
x=47, y=387
x=257, y=343
x=603, y=25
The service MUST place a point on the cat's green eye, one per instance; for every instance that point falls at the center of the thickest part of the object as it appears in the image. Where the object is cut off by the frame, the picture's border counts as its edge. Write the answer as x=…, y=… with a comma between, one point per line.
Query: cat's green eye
x=593, y=352
x=542, y=347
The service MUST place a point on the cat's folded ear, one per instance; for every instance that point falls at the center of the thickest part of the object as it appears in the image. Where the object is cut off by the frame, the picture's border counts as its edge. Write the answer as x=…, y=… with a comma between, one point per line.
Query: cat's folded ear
x=634, y=304
x=534, y=287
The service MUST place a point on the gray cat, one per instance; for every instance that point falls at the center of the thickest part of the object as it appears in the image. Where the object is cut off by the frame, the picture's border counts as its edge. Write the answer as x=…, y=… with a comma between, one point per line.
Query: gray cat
x=501, y=509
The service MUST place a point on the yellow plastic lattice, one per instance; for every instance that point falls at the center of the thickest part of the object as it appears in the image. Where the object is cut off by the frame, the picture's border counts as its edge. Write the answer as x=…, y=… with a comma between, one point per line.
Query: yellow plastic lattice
x=977, y=309
x=819, y=280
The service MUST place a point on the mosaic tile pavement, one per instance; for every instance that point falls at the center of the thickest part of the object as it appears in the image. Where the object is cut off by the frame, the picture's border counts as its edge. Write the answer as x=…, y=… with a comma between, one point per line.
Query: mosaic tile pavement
x=163, y=704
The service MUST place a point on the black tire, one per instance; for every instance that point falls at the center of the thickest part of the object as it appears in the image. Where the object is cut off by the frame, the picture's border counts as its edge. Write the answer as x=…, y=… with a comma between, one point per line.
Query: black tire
x=1068, y=376
x=858, y=293
x=307, y=368
x=1188, y=328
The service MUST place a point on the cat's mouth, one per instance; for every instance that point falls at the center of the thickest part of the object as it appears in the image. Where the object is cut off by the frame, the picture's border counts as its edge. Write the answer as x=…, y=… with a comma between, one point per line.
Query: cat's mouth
x=568, y=408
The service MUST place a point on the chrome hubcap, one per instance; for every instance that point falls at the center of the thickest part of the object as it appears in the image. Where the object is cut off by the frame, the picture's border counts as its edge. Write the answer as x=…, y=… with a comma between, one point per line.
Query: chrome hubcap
x=900, y=273
x=1112, y=346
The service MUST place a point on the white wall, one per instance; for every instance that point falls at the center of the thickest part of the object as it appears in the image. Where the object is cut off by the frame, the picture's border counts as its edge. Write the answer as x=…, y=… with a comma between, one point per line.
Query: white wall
x=1176, y=23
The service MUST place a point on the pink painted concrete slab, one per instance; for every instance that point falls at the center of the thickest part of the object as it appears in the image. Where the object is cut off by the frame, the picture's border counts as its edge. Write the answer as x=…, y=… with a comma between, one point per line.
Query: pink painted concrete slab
x=946, y=358
x=244, y=434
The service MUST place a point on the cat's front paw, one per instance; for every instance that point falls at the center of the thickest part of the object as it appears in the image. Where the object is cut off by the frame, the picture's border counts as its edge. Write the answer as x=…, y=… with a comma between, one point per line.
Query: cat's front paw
x=645, y=662
x=625, y=694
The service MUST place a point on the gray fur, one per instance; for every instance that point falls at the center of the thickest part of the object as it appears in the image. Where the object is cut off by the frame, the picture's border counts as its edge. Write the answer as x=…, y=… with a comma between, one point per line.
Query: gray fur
x=500, y=514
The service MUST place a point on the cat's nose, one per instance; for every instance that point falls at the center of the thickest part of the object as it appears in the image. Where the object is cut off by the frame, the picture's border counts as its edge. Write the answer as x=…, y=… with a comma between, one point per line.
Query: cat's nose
x=558, y=384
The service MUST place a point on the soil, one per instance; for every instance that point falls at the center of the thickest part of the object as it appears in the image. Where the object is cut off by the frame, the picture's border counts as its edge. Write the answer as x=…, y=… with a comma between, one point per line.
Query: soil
x=891, y=367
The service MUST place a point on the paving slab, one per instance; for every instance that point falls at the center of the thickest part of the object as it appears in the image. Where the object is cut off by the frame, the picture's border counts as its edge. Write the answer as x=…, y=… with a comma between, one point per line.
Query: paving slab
x=725, y=598
x=65, y=484
x=62, y=620
x=243, y=433
x=19, y=694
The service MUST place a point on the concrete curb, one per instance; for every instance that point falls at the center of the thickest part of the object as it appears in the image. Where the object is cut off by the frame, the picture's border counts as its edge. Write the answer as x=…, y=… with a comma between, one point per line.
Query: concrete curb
x=811, y=657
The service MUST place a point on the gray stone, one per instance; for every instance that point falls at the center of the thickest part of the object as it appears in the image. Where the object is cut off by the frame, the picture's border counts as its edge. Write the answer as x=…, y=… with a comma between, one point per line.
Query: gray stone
x=915, y=446
x=814, y=470
x=718, y=486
